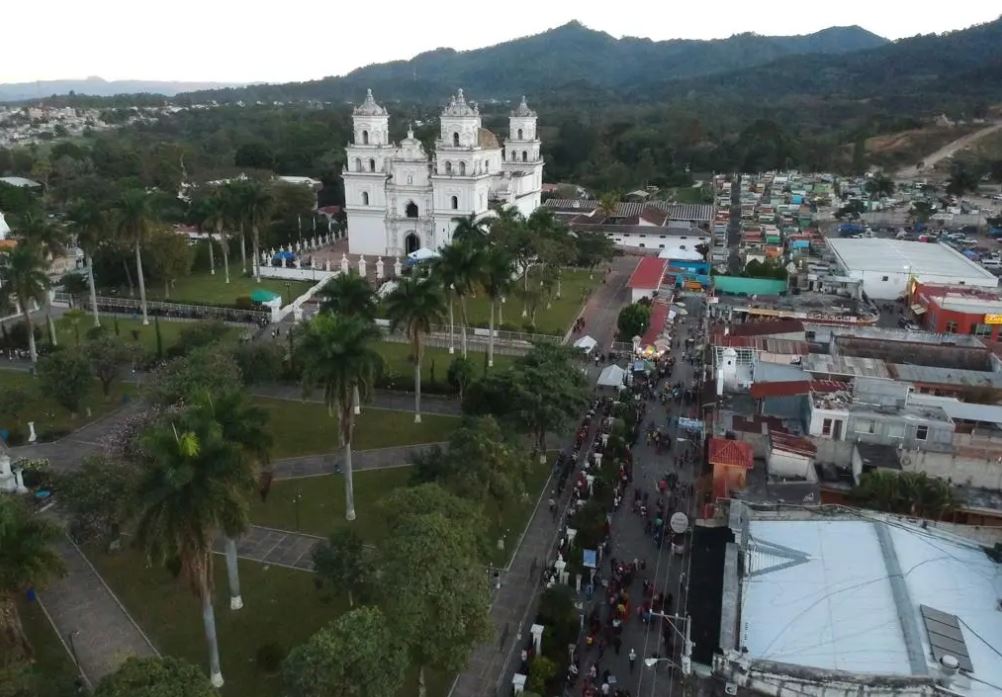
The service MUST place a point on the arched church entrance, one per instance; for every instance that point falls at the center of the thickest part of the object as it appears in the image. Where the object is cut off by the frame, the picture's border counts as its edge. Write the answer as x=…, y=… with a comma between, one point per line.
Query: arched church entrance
x=412, y=243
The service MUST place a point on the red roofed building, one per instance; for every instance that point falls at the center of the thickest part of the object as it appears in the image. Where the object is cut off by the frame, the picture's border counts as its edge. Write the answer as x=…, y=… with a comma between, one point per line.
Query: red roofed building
x=958, y=309
x=647, y=278
x=731, y=460
x=656, y=324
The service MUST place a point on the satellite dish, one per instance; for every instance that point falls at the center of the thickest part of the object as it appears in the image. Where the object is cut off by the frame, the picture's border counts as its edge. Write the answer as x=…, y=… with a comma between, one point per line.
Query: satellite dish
x=679, y=522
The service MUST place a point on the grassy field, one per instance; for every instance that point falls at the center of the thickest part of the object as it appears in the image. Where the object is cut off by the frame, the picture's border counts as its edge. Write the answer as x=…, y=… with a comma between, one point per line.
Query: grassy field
x=282, y=606
x=321, y=503
x=305, y=428
x=204, y=288
x=397, y=358
x=556, y=319
x=321, y=506
x=131, y=331
x=51, y=420
x=53, y=671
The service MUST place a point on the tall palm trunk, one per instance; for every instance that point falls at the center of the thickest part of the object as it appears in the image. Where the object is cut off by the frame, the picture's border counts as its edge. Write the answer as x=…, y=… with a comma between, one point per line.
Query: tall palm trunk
x=128, y=277
x=224, y=241
x=209, y=625
x=356, y=400
x=422, y=688
x=463, y=322
x=243, y=247
x=418, y=350
x=142, y=284
x=93, y=291
x=233, y=574
x=452, y=329
x=212, y=256
x=525, y=292
x=50, y=325
x=256, y=261
x=32, y=352
x=490, y=338
x=347, y=426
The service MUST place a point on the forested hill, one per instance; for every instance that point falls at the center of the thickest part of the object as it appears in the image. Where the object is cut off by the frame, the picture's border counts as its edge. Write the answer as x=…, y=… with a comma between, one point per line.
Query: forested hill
x=923, y=71
x=567, y=55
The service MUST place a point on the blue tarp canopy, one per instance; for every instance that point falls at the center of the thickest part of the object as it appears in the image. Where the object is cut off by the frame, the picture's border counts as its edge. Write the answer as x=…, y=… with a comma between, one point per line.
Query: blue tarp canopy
x=260, y=295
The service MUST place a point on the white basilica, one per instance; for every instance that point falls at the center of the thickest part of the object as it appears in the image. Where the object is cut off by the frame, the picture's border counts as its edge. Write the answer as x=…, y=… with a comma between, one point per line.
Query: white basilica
x=398, y=199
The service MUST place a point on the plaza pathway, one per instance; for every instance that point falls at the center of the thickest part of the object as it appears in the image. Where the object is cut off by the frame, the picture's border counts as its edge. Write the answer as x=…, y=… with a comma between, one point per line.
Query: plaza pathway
x=90, y=619
x=278, y=547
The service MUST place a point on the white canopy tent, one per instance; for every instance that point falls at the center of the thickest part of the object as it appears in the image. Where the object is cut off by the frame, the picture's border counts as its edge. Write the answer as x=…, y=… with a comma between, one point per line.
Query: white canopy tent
x=586, y=344
x=422, y=254
x=612, y=376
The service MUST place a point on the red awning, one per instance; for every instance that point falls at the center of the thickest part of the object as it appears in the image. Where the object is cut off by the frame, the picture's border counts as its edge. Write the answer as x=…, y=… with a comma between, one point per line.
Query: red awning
x=731, y=453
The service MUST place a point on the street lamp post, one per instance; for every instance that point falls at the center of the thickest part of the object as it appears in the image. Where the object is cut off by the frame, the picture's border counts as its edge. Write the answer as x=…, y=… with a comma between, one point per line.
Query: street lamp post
x=686, y=646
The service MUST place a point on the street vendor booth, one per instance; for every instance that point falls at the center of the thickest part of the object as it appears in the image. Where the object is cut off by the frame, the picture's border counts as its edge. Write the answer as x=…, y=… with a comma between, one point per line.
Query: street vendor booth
x=612, y=376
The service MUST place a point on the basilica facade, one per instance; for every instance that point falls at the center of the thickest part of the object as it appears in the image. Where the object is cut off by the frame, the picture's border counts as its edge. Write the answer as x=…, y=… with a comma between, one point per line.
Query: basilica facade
x=400, y=198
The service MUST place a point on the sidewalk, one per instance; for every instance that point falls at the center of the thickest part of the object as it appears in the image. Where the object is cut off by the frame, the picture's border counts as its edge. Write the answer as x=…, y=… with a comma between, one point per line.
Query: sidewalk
x=272, y=546
x=90, y=619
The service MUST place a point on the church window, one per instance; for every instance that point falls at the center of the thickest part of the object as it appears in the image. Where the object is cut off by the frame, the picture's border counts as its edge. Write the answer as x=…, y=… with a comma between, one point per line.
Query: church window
x=462, y=169
x=455, y=139
x=487, y=166
x=365, y=137
x=520, y=134
x=525, y=156
x=412, y=210
x=365, y=198
x=448, y=168
x=410, y=178
x=372, y=165
x=455, y=202
x=358, y=164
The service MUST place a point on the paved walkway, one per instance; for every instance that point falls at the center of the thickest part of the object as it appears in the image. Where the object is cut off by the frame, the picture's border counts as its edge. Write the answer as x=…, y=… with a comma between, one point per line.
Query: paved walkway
x=601, y=312
x=361, y=460
x=277, y=547
x=67, y=453
x=82, y=606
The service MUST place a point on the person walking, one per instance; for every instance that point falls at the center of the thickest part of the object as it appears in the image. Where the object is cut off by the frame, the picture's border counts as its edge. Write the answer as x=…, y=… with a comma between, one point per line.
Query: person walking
x=553, y=506
x=633, y=659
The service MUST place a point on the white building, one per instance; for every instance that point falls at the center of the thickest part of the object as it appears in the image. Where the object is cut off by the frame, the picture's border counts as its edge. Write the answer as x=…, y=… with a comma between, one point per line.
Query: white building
x=398, y=198
x=886, y=266
x=4, y=227
x=827, y=603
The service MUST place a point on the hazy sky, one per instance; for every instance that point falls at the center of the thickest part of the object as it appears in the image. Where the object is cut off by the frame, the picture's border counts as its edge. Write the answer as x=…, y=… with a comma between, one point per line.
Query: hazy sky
x=258, y=41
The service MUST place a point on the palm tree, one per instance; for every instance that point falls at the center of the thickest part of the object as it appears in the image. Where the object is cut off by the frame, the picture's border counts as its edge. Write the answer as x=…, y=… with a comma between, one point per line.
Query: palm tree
x=338, y=354
x=470, y=230
x=51, y=240
x=135, y=218
x=195, y=485
x=416, y=304
x=216, y=212
x=497, y=281
x=258, y=200
x=89, y=223
x=349, y=295
x=462, y=264
x=27, y=280
x=244, y=425
x=233, y=195
x=608, y=203
x=27, y=559
x=448, y=268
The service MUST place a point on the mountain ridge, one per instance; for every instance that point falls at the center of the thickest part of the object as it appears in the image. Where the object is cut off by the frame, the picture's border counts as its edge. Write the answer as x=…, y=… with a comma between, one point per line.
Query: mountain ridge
x=99, y=87
x=565, y=54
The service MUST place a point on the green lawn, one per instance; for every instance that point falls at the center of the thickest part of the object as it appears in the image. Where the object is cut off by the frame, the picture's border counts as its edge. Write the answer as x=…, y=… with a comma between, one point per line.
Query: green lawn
x=397, y=358
x=321, y=506
x=321, y=503
x=305, y=428
x=51, y=420
x=555, y=320
x=203, y=288
x=281, y=606
x=53, y=672
x=131, y=331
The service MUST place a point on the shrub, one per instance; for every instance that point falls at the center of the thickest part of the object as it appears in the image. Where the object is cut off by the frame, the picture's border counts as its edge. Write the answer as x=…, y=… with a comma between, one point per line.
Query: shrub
x=269, y=657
